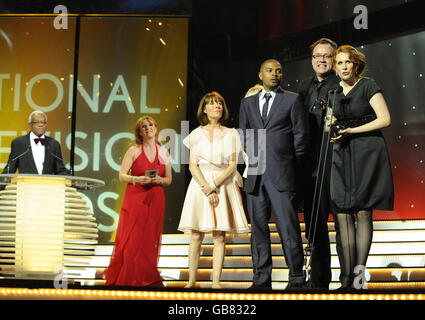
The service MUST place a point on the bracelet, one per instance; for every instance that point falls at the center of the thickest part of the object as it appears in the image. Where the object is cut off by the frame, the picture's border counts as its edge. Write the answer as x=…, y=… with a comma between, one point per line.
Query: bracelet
x=133, y=180
x=213, y=186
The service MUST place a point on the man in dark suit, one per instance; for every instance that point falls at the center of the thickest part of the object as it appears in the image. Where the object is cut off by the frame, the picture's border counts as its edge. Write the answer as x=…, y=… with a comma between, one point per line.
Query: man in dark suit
x=275, y=130
x=315, y=93
x=36, y=153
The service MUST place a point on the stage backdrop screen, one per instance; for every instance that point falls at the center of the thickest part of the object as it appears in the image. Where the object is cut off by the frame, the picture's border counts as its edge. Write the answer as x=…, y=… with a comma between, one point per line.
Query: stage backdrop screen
x=127, y=67
x=36, y=63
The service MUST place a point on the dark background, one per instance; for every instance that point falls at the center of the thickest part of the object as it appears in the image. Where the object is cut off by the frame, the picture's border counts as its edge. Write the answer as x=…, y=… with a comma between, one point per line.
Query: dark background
x=229, y=39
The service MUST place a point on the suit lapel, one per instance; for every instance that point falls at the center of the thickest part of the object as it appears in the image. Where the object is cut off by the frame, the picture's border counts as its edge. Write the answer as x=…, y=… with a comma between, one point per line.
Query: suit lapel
x=29, y=155
x=255, y=109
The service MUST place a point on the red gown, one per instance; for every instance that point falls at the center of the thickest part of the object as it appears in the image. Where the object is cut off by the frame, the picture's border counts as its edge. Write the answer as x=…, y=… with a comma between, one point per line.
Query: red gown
x=134, y=261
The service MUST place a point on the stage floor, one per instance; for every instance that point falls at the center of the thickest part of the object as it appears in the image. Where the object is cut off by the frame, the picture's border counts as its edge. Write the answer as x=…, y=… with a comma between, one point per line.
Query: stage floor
x=396, y=273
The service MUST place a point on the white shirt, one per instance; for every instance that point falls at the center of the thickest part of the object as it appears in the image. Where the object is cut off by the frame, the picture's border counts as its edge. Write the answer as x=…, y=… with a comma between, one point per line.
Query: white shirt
x=262, y=100
x=38, y=151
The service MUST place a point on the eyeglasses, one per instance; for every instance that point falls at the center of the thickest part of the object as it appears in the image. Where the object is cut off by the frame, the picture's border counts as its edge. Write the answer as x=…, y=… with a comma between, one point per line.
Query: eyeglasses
x=324, y=56
x=38, y=122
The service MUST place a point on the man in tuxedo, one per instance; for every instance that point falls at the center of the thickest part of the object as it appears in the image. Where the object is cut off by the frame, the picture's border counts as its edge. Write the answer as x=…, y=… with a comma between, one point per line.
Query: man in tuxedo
x=275, y=130
x=315, y=93
x=36, y=153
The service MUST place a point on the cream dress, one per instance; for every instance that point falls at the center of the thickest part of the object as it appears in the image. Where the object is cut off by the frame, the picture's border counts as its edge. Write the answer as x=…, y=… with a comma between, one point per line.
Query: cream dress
x=213, y=158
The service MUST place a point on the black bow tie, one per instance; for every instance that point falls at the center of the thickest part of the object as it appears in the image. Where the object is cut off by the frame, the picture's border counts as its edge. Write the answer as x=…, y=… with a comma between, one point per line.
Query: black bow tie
x=42, y=140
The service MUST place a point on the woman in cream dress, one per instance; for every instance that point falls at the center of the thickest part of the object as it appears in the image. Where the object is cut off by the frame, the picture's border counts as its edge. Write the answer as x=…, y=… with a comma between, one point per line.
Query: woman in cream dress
x=213, y=200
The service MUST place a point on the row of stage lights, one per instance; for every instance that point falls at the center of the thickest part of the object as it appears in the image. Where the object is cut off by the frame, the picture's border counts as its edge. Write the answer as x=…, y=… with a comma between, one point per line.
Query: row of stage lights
x=22, y=293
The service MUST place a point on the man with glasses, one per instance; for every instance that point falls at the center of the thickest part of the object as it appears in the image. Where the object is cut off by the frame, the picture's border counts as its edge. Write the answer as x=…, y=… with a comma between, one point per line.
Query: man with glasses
x=314, y=92
x=36, y=153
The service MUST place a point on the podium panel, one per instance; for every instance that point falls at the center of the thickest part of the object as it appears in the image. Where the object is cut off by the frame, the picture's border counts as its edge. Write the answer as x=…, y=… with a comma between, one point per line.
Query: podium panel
x=45, y=225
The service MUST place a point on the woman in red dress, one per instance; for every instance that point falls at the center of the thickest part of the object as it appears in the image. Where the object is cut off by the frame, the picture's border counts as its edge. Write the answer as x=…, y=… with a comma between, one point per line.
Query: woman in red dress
x=134, y=260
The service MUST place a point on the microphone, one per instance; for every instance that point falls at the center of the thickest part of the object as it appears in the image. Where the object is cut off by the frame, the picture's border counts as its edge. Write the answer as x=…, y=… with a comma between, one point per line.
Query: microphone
x=335, y=90
x=58, y=158
x=16, y=158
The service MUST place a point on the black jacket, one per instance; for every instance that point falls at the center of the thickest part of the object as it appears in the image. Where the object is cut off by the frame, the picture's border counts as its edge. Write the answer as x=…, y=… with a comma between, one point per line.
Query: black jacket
x=21, y=158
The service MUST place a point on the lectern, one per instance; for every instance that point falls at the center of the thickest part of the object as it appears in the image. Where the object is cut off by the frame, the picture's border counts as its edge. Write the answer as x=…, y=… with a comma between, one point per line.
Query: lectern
x=45, y=223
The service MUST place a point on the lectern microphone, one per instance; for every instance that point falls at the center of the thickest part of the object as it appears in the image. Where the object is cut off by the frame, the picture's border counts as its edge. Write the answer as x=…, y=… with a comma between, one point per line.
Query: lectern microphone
x=16, y=158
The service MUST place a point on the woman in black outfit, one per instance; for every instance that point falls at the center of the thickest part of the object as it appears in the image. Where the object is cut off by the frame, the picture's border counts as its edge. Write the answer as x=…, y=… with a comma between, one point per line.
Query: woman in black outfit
x=361, y=177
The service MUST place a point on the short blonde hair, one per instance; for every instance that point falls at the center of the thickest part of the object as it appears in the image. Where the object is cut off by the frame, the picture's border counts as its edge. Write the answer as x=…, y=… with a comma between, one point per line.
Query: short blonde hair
x=253, y=90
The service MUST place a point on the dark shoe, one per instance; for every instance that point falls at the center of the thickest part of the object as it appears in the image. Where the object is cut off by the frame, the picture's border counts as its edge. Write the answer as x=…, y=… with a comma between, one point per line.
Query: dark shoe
x=255, y=287
x=295, y=286
x=345, y=289
x=316, y=286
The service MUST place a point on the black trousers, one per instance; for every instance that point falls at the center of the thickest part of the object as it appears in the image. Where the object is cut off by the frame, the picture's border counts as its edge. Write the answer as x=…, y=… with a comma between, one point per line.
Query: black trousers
x=317, y=232
x=259, y=203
